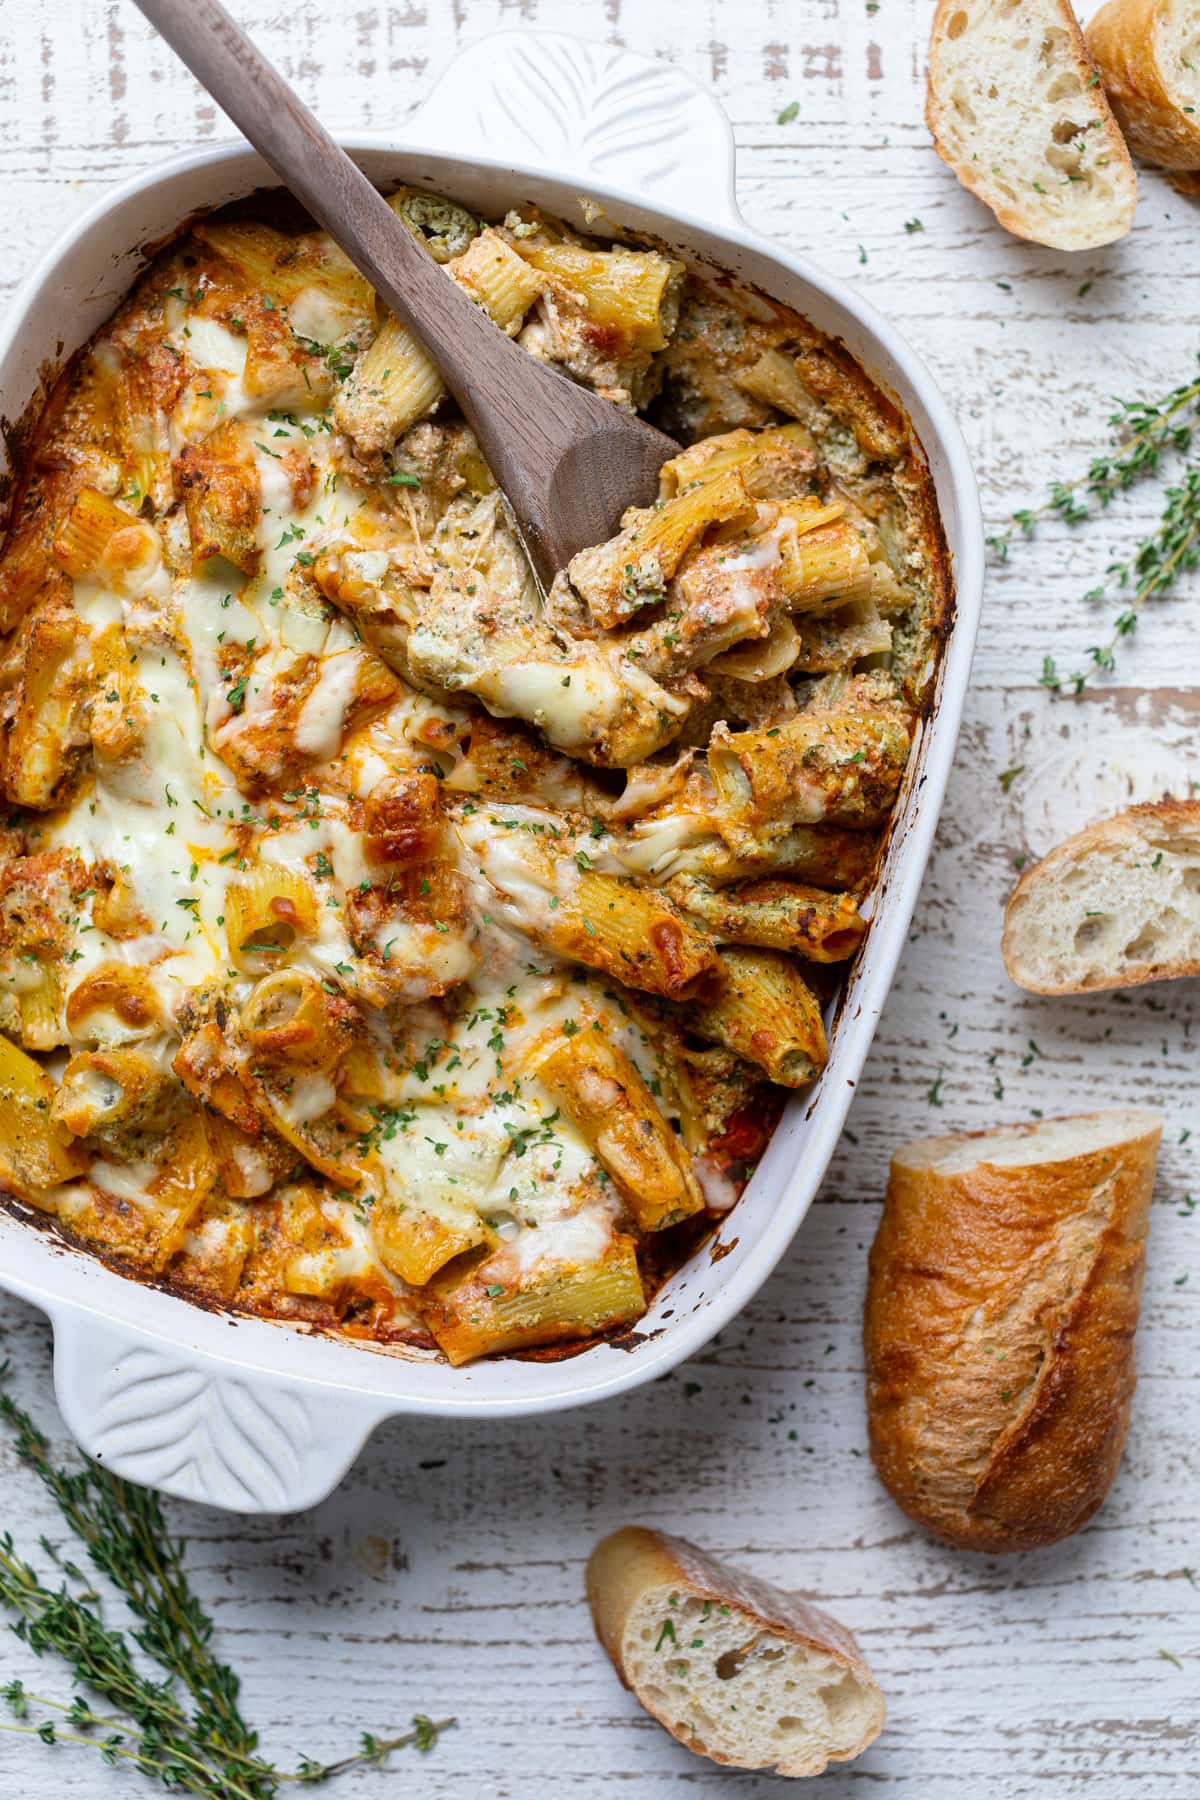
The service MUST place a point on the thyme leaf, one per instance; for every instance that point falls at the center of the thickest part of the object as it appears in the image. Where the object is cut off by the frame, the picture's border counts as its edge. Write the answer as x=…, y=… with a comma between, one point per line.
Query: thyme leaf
x=183, y=1729
x=1144, y=433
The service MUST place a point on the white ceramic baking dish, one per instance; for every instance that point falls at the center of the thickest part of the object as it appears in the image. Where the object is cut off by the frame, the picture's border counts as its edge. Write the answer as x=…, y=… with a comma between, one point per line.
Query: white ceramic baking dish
x=256, y=1416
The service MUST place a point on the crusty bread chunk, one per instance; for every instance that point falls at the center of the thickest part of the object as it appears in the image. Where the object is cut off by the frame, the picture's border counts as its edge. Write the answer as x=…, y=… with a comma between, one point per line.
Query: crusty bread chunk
x=1017, y=110
x=1114, y=906
x=1002, y=1300
x=734, y=1668
x=1148, y=52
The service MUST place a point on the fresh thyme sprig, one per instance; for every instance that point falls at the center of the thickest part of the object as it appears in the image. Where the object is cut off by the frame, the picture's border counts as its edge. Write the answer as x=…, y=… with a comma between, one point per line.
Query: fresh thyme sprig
x=1144, y=433
x=200, y=1744
x=125, y=1534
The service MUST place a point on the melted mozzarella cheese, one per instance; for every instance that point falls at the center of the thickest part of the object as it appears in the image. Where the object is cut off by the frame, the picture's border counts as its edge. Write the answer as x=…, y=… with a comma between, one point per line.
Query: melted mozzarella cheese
x=235, y=674
x=322, y=718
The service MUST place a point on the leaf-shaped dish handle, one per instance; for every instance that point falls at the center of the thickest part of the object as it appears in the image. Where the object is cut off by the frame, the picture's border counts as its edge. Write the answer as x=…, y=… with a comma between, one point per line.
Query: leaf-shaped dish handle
x=190, y=1425
x=583, y=111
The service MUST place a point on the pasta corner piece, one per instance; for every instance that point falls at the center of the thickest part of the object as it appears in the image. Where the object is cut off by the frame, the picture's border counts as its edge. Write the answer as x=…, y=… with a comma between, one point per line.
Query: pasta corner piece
x=494, y=1305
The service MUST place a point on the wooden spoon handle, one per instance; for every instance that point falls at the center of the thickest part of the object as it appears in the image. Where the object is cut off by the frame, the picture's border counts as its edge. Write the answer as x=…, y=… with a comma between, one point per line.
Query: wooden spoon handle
x=453, y=331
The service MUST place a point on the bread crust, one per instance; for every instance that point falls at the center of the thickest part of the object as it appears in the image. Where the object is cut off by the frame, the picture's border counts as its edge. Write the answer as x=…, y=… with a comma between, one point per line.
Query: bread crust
x=1001, y=1308
x=1123, y=39
x=1182, y=815
x=1011, y=217
x=635, y=1560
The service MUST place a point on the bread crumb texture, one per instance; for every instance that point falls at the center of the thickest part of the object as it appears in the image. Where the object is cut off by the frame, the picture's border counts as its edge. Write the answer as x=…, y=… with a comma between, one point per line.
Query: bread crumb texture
x=1114, y=906
x=739, y=1671
x=1017, y=110
x=738, y=1693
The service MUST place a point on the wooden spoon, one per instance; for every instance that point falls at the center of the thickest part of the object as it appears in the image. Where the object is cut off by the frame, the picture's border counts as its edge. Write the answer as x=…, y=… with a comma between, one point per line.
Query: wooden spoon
x=568, y=462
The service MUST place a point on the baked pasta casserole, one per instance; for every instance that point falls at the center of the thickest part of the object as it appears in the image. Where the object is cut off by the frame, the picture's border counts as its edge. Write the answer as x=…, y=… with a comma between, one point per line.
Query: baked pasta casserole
x=384, y=944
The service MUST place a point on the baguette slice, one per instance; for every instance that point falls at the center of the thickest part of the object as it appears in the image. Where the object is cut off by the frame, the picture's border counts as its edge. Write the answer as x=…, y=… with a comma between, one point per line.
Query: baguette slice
x=1114, y=906
x=1001, y=1306
x=737, y=1670
x=1148, y=52
x=1016, y=109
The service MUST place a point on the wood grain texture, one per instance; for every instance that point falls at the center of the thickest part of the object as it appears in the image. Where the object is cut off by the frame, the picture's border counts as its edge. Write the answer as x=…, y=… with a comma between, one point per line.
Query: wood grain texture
x=447, y=1574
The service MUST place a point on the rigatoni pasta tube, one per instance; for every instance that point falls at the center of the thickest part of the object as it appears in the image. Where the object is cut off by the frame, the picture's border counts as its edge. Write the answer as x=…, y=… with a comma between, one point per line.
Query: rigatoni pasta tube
x=114, y=1004
x=770, y=462
x=113, y=1088
x=47, y=731
x=823, y=562
x=36, y=1152
x=776, y=379
x=38, y=1002
x=280, y=267
x=497, y=279
x=626, y=290
x=179, y=1191
x=246, y=1166
x=841, y=766
x=778, y=915
x=222, y=497
x=765, y=1012
x=495, y=1306
x=417, y=1234
x=599, y=1088
x=265, y=913
x=394, y=383
x=144, y=435
x=824, y=856
x=633, y=933
x=303, y=1110
x=99, y=541
x=630, y=571
x=291, y=1018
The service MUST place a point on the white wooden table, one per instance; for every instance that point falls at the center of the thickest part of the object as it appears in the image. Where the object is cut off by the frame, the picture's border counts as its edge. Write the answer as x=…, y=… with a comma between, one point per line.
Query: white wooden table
x=446, y=1576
